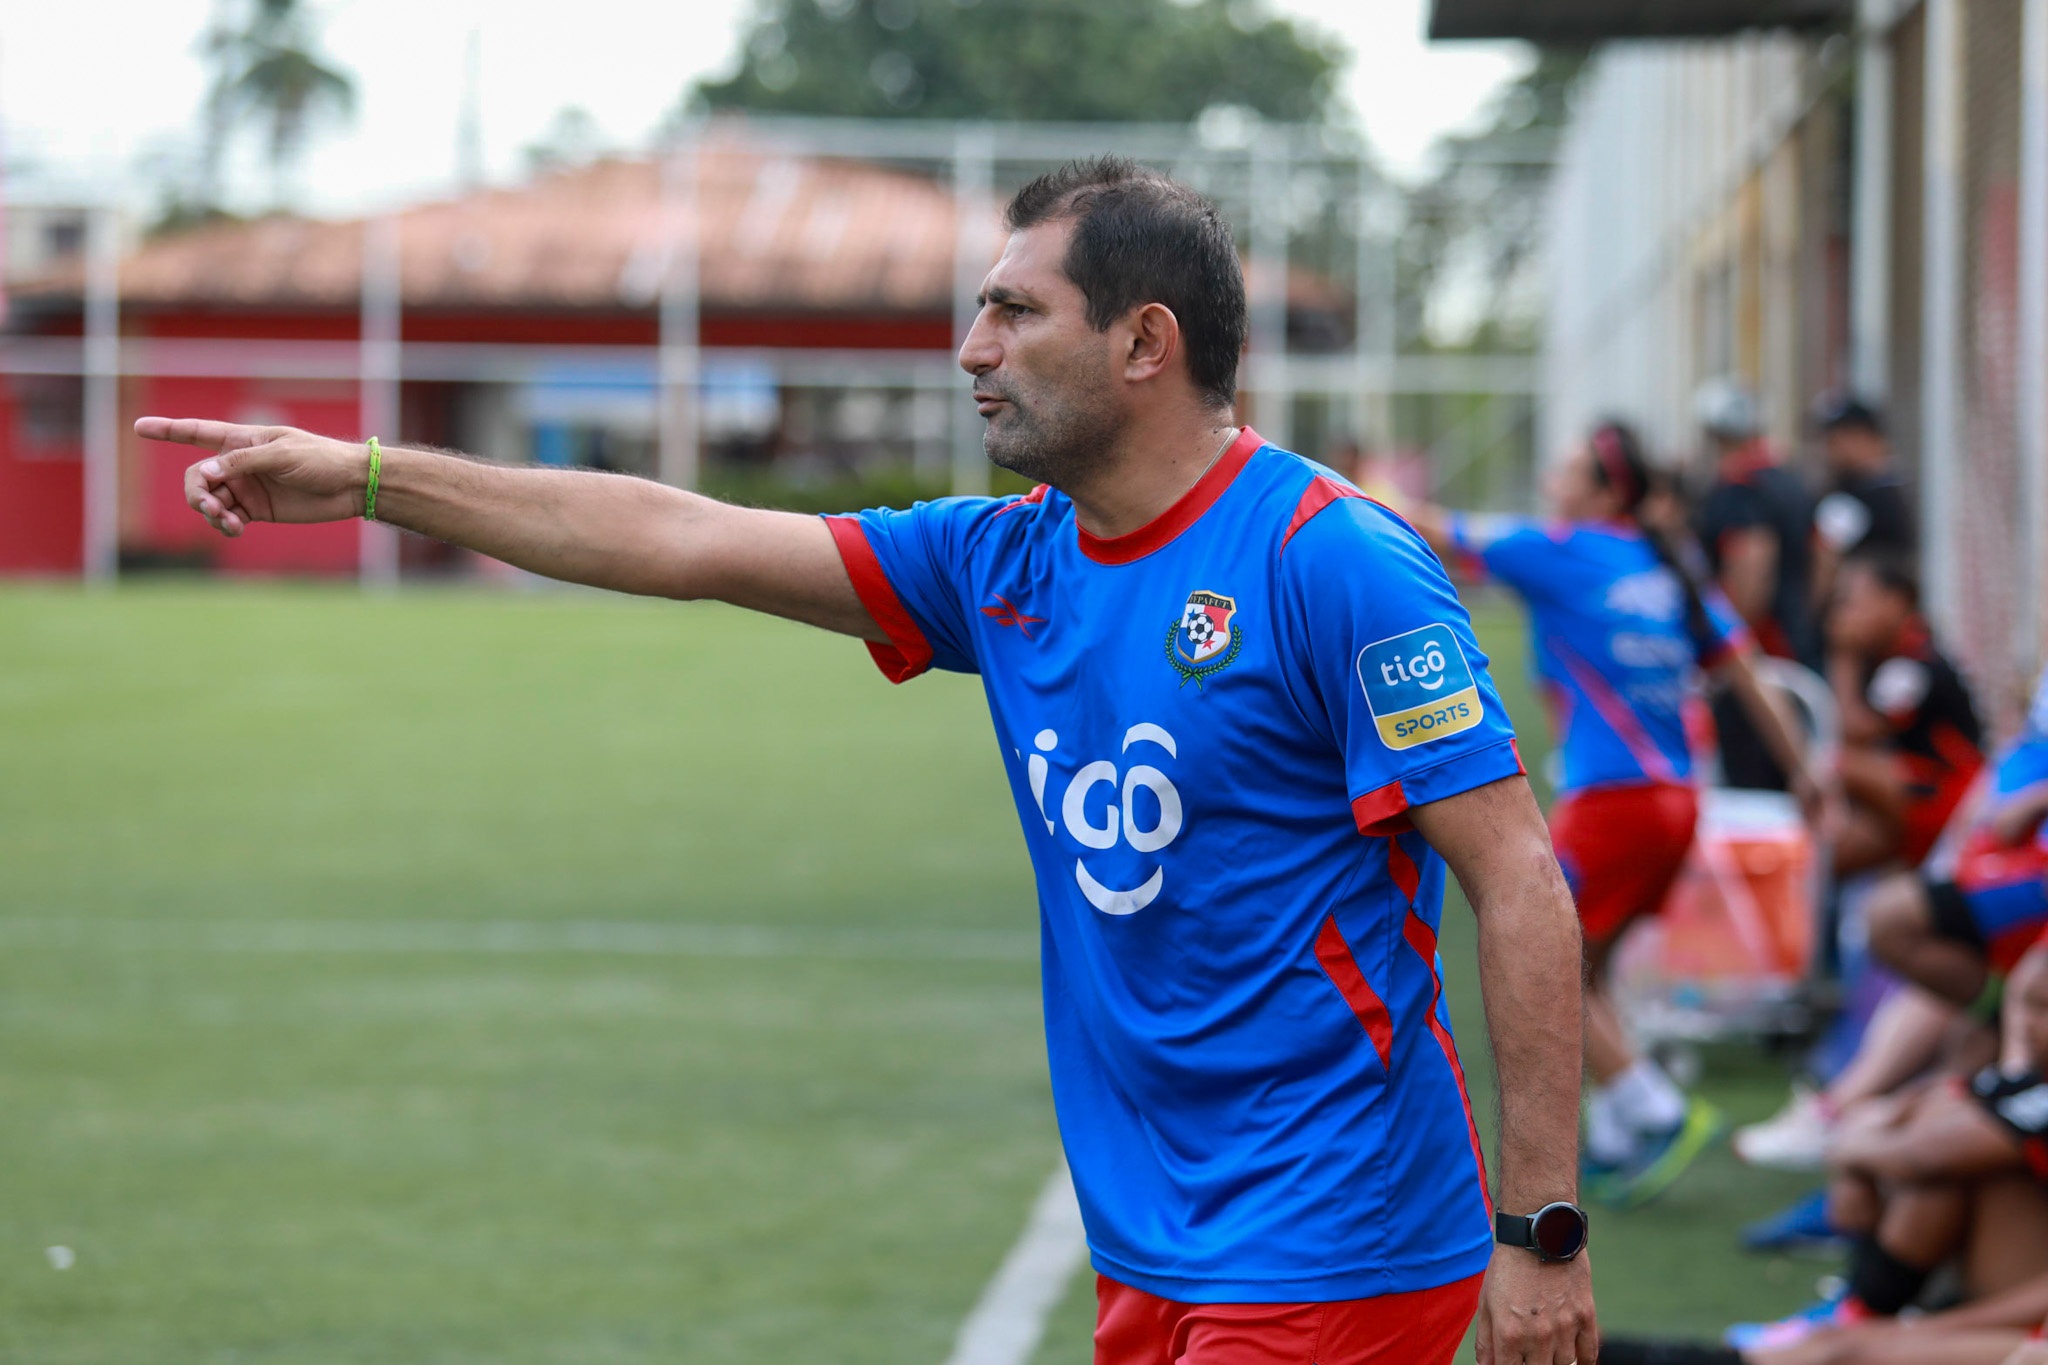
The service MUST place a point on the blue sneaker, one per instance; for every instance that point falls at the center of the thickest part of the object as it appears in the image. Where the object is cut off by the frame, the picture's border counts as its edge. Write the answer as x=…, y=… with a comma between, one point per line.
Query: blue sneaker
x=1825, y=1316
x=1802, y=1227
x=1665, y=1157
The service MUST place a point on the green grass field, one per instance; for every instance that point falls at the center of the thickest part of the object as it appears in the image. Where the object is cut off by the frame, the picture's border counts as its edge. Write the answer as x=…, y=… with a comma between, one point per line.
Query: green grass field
x=472, y=976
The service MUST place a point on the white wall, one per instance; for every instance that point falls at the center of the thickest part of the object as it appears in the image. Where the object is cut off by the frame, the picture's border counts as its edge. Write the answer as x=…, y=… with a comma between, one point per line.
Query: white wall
x=1662, y=136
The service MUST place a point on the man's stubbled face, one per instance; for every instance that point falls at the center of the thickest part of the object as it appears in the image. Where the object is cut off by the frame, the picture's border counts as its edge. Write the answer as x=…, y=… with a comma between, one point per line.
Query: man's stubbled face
x=1042, y=379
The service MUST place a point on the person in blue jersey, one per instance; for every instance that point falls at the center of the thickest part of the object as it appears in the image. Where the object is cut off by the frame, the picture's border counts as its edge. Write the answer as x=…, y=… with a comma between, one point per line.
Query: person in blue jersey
x=1955, y=934
x=1249, y=734
x=1619, y=631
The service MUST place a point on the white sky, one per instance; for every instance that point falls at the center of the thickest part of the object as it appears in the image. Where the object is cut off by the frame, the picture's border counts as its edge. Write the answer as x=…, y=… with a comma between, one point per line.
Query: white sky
x=89, y=87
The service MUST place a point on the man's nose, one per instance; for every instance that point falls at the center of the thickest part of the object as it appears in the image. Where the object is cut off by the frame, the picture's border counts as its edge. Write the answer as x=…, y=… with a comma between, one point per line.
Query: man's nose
x=979, y=353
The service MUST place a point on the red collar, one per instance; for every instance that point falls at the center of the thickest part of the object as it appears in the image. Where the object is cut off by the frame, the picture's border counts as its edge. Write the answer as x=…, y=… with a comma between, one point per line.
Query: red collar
x=1161, y=530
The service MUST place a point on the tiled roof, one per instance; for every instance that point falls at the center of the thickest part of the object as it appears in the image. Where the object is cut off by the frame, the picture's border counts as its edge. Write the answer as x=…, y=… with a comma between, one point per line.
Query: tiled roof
x=779, y=232
x=782, y=232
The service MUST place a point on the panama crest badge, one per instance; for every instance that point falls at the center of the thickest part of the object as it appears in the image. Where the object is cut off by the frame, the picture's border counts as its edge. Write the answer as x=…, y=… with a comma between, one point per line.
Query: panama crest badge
x=1206, y=639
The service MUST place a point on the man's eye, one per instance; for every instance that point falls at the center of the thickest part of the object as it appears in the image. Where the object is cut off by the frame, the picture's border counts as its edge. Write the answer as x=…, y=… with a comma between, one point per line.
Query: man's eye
x=1015, y=310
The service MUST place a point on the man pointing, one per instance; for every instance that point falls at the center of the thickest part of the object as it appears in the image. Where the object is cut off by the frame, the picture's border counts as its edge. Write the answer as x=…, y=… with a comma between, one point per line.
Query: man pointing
x=1247, y=729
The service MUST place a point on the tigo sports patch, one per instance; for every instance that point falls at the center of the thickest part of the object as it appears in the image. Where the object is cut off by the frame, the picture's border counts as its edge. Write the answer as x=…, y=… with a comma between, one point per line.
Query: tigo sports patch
x=1419, y=687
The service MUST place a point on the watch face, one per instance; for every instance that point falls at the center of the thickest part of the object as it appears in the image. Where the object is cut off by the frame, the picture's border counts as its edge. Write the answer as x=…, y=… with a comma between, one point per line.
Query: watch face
x=1560, y=1232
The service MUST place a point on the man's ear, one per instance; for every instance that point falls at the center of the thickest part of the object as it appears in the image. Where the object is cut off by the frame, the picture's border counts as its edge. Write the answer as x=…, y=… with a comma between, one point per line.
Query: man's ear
x=1151, y=342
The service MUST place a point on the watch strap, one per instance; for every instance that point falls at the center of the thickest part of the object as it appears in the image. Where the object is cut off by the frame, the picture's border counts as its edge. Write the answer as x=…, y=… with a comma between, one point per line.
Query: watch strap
x=1514, y=1230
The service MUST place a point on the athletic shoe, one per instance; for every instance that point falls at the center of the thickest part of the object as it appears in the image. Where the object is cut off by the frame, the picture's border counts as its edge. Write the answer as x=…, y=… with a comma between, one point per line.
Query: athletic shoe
x=1664, y=1157
x=1827, y=1315
x=1802, y=1227
x=1793, y=1139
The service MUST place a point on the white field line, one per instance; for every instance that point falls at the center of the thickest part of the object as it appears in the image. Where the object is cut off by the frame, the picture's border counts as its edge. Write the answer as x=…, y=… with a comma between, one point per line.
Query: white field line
x=597, y=937
x=1006, y=1325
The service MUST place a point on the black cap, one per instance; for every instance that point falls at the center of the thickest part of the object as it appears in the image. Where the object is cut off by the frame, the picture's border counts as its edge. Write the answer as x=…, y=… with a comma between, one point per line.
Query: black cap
x=1843, y=410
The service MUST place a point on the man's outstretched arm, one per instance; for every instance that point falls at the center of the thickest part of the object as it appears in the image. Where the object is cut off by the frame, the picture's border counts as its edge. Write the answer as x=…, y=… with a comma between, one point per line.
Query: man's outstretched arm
x=604, y=530
x=1494, y=840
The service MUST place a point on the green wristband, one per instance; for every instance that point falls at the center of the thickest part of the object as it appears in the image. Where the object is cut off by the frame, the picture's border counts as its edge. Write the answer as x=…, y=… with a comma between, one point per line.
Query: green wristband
x=370, y=493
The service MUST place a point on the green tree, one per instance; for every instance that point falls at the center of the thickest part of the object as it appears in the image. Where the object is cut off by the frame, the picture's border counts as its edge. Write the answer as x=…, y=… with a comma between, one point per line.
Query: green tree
x=266, y=70
x=1476, y=227
x=572, y=138
x=1116, y=60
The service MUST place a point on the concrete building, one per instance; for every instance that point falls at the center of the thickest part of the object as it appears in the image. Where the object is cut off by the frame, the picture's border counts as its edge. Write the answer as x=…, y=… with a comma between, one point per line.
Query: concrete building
x=1808, y=194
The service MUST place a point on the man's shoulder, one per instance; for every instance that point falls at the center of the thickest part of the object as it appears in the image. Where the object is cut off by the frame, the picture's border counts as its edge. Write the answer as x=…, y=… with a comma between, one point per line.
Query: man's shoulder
x=1317, y=510
x=977, y=523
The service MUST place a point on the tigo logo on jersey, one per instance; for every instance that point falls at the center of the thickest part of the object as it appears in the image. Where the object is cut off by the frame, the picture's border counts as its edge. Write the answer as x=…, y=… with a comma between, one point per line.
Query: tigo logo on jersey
x=1419, y=687
x=1203, y=641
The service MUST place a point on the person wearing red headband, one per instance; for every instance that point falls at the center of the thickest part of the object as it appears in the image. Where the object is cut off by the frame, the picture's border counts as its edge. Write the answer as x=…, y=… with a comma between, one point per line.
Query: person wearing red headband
x=1620, y=630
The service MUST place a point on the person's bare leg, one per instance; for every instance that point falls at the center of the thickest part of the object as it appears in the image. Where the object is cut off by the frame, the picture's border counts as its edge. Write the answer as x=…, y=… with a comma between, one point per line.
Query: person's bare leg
x=1855, y=1204
x=2008, y=1234
x=1608, y=1051
x=1897, y=1344
x=1904, y=1037
x=2023, y=1026
x=1923, y=1225
x=1865, y=840
x=1903, y=937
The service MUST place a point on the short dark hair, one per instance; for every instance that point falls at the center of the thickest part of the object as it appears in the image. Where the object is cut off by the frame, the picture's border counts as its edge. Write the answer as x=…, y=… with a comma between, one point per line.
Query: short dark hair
x=1141, y=237
x=1894, y=572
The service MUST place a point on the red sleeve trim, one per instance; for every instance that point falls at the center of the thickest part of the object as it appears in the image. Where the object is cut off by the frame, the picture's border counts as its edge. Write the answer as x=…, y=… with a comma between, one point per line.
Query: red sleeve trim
x=908, y=653
x=1382, y=812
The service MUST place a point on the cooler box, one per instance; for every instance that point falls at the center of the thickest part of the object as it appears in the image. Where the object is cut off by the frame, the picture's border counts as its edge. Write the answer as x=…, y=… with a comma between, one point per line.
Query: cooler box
x=1744, y=904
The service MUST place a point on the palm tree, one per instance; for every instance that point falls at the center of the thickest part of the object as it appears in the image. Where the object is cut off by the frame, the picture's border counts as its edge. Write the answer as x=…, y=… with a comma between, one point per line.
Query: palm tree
x=266, y=70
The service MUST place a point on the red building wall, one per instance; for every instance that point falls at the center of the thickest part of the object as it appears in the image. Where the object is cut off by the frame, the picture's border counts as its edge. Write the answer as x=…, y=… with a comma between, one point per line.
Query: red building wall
x=42, y=493
x=42, y=480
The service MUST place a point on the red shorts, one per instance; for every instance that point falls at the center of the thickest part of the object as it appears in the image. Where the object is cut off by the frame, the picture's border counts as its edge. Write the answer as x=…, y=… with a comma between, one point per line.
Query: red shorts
x=1935, y=790
x=1621, y=849
x=1420, y=1328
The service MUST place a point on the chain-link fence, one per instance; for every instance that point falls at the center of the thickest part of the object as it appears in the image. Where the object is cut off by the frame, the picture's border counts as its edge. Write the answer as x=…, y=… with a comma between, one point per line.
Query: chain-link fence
x=1987, y=538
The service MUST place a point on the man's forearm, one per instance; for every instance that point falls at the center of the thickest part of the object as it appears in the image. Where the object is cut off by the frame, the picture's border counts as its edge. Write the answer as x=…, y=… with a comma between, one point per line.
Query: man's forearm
x=581, y=526
x=1529, y=971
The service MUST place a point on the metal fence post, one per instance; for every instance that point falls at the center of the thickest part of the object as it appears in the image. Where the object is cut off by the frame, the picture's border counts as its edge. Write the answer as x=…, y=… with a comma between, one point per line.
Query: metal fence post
x=1269, y=216
x=377, y=390
x=681, y=339
x=2032, y=364
x=1870, y=244
x=1942, y=434
x=974, y=173
x=102, y=425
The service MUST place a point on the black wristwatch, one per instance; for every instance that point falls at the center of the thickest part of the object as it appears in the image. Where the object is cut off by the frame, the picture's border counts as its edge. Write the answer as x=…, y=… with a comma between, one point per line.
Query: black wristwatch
x=1555, y=1232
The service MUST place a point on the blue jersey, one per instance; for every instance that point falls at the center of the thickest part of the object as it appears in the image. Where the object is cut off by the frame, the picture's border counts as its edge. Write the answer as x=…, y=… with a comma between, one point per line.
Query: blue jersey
x=1213, y=728
x=2024, y=762
x=1612, y=645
